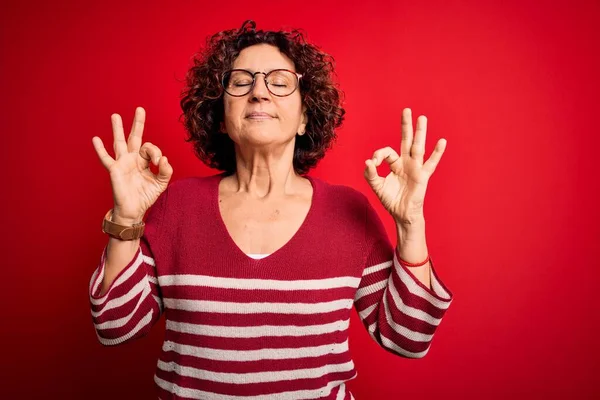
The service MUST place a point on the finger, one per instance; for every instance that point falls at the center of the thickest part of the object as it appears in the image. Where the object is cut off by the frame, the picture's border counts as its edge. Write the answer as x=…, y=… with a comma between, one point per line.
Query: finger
x=371, y=174
x=151, y=153
x=134, y=141
x=407, y=132
x=417, y=150
x=435, y=157
x=105, y=158
x=165, y=170
x=385, y=154
x=119, y=145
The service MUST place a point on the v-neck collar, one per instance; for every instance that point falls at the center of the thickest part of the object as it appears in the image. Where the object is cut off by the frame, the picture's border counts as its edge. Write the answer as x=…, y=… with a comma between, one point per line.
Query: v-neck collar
x=234, y=249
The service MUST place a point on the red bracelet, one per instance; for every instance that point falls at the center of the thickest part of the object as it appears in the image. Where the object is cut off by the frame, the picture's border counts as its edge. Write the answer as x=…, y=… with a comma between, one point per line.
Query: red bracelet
x=413, y=265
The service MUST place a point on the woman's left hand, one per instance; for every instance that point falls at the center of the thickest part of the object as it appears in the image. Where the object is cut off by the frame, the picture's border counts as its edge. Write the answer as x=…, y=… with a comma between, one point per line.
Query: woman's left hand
x=402, y=192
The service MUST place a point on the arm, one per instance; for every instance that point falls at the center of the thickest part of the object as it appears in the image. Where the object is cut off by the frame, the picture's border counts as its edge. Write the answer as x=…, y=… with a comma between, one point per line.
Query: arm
x=399, y=311
x=412, y=248
x=131, y=304
x=124, y=294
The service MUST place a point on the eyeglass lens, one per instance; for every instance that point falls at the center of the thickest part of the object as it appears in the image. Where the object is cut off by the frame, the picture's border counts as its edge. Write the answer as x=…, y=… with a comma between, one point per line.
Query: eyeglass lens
x=279, y=82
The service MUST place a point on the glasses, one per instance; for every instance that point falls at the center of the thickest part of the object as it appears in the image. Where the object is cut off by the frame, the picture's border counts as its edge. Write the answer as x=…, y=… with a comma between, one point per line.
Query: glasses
x=279, y=82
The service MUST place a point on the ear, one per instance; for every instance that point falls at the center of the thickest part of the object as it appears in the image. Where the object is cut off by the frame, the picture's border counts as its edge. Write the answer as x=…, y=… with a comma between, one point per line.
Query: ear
x=303, y=121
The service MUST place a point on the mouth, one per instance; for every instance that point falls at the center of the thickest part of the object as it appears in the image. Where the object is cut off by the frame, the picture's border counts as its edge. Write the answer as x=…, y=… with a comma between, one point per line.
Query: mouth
x=259, y=115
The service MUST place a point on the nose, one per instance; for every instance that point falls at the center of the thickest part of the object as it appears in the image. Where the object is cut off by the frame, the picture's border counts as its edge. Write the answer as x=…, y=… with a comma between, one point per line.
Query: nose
x=259, y=91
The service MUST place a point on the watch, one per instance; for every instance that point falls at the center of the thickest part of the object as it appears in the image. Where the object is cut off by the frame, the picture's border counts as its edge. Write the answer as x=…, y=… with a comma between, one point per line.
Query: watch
x=121, y=232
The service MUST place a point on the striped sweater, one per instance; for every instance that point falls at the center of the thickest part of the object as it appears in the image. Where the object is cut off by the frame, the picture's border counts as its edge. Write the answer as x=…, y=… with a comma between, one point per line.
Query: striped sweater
x=240, y=327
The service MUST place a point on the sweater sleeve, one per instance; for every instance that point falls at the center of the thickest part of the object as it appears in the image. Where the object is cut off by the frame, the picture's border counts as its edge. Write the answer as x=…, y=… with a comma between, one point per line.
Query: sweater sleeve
x=399, y=312
x=133, y=302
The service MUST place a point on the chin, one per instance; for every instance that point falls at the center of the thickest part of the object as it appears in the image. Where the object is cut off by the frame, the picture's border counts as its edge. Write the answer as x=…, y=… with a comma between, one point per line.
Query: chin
x=263, y=136
x=261, y=130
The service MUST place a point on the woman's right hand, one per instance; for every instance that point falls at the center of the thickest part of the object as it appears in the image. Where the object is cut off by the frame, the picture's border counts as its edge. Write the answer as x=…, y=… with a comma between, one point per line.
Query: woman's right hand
x=135, y=187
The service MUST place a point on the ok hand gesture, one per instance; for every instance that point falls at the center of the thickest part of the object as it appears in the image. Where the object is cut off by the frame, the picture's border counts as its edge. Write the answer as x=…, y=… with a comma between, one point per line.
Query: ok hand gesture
x=135, y=187
x=402, y=192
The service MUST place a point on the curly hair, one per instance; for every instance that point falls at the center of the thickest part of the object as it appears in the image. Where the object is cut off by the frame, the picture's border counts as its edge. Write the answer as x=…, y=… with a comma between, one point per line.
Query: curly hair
x=202, y=97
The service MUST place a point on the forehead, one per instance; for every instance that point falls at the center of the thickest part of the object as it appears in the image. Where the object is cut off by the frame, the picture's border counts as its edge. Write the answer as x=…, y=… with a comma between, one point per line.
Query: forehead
x=262, y=57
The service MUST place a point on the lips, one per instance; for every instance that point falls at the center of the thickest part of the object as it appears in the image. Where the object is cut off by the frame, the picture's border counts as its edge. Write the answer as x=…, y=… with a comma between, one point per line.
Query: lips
x=259, y=115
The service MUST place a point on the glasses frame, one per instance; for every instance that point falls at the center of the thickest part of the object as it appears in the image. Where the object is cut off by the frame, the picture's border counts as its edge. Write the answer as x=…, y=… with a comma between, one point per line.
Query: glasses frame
x=266, y=74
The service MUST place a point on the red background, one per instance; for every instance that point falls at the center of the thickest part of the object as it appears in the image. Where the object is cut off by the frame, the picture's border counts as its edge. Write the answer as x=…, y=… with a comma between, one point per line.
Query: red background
x=512, y=210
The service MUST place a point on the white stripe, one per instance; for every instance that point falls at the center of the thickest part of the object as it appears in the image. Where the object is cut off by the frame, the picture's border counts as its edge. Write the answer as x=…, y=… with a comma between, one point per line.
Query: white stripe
x=92, y=283
x=416, y=289
x=253, y=308
x=126, y=275
x=252, y=284
x=371, y=330
x=143, y=322
x=255, y=355
x=97, y=276
x=148, y=260
x=257, y=331
x=341, y=394
x=402, y=330
x=377, y=267
x=100, y=276
x=375, y=287
x=391, y=345
x=411, y=311
x=367, y=311
x=153, y=279
x=117, y=323
x=254, y=377
x=201, y=394
x=119, y=301
x=159, y=302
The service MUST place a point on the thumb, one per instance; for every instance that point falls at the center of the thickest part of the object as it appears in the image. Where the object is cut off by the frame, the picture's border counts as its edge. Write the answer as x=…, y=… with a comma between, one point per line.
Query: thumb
x=165, y=170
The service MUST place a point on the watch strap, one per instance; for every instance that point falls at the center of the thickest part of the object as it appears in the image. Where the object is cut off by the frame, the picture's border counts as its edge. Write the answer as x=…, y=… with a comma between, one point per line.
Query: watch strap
x=121, y=232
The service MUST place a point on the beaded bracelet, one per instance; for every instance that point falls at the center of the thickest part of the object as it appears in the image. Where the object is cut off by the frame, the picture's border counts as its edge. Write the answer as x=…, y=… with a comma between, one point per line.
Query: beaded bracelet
x=413, y=265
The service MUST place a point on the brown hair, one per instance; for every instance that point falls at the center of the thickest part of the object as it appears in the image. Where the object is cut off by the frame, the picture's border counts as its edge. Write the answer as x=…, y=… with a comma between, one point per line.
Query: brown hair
x=202, y=97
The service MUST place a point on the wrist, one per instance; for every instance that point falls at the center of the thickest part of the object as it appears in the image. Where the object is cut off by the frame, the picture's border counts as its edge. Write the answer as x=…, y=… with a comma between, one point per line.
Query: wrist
x=122, y=228
x=411, y=229
x=407, y=221
x=124, y=220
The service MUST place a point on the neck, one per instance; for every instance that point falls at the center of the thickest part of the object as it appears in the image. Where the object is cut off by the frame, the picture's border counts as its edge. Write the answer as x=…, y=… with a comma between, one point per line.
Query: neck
x=265, y=175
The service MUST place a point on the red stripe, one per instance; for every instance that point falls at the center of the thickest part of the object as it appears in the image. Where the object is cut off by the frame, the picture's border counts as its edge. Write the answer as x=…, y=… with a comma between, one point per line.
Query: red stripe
x=368, y=300
x=255, y=389
x=148, y=304
x=257, y=365
x=123, y=288
x=400, y=340
x=120, y=311
x=415, y=301
x=256, y=295
x=256, y=319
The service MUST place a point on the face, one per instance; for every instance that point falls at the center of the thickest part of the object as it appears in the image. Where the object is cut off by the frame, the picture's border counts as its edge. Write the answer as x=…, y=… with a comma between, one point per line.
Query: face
x=285, y=115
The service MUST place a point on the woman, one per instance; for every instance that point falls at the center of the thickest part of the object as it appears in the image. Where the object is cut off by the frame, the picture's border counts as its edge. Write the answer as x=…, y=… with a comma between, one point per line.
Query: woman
x=257, y=268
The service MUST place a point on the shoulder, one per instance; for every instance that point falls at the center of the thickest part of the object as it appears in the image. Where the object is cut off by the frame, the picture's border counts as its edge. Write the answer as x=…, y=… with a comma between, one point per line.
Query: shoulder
x=348, y=212
x=191, y=186
x=341, y=194
x=342, y=202
x=187, y=192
